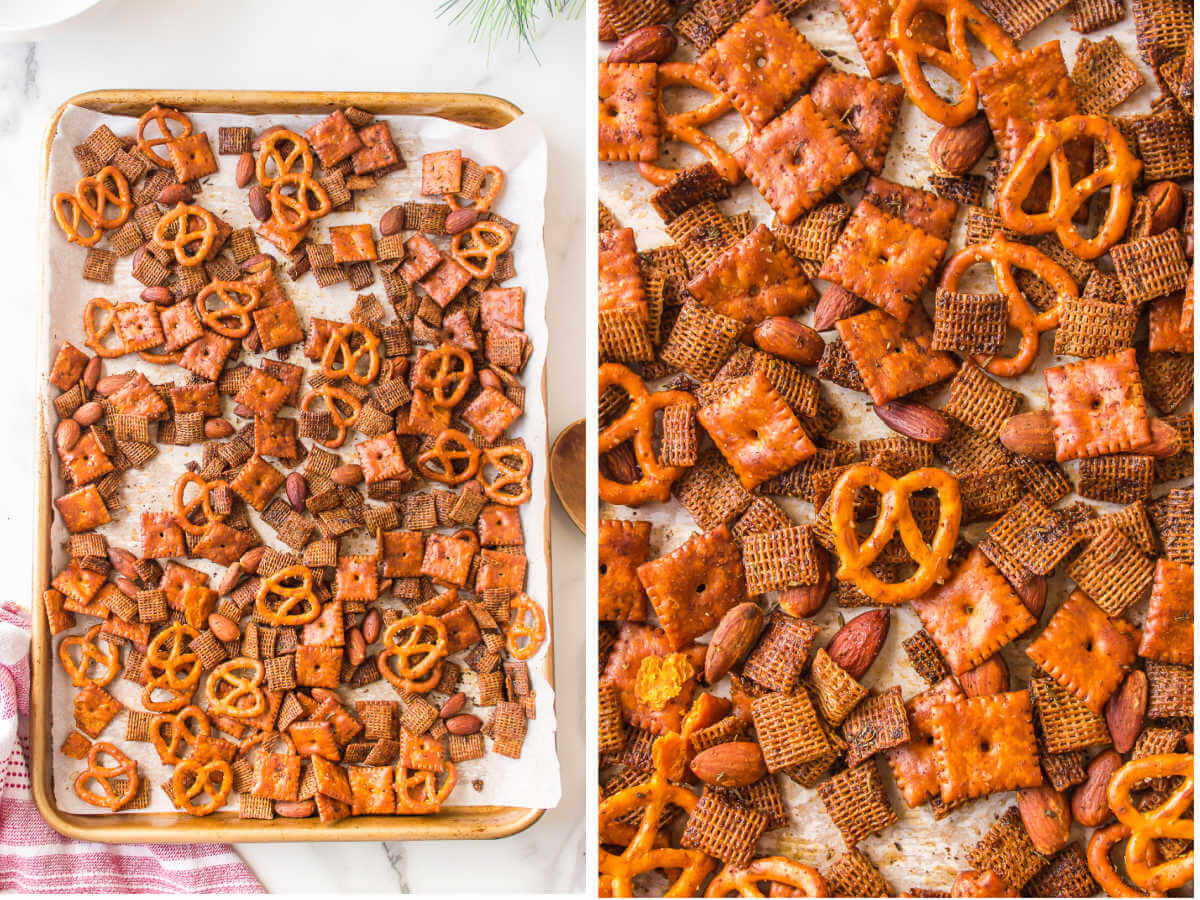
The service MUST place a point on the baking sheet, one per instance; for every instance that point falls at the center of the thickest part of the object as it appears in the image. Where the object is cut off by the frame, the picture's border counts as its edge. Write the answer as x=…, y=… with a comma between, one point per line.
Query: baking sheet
x=917, y=852
x=520, y=150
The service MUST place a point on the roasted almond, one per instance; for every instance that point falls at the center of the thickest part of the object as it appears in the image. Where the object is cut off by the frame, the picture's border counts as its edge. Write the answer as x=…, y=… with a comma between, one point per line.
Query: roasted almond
x=734, y=636
x=230, y=579
x=464, y=723
x=1047, y=818
x=989, y=677
x=914, y=420
x=295, y=809
x=259, y=262
x=223, y=628
x=296, y=488
x=174, y=193
x=260, y=205
x=67, y=435
x=453, y=705
x=806, y=600
x=1033, y=595
x=835, y=304
x=1166, y=206
x=392, y=221
x=460, y=220
x=1125, y=711
x=651, y=44
x=974, y=883
x=1029, y=434
x=126, y=586
x=215, y=429
x=858, y=642
x=1089, y=803
x=91, y=373
x=110, y=384
x=243, y=174
x=356, y=647
x=953, y=151
x=730, y=765
x=788, y=339
x=122, y=561
x=89, y=414
x=371, y=624
x=159, y=295
x=1164, y=441
x=347, y=475
x=251, y=558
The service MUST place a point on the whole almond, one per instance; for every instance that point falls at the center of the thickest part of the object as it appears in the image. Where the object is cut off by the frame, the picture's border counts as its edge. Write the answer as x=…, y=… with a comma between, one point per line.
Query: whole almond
x=244, y=173
x=260, y=205
x=295, y=809
x=1125, y=711
x=730, y=765
x=126, y=586
x=1029, y=434
x=1166, y=205
x=974, y=883
x=806, y=600
x=1033, y=595
x=987, y=678
x=214, y=429
x=464, y=723
x=734, y=636
x=253, y=343
x=651, y=44
x=91, y=373
x=67, y=435
x=89, y=414
x=347, y=475
x=224, y=628
x=460, y=220
x=241, y=409
x=1089, y=803
x=296, y=488
x=835, y=304
x=392, y=221
x=159, y=295
x=858, y=642
x=1165, y=441
x=453, y=705
x=251, y=558
x=259, y=262
x=488, y=378
x=371, y=624
x=1047, y=818
x=356, y=647
x=914, y=420
x=953, y=151
x=122, y=561
x=110, y=384
x=174, y=193
x=788, y=339
x=230, y=579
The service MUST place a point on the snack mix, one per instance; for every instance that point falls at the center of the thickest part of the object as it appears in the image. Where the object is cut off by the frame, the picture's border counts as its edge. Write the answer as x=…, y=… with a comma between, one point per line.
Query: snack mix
x=1031, y=505
x=374, y=533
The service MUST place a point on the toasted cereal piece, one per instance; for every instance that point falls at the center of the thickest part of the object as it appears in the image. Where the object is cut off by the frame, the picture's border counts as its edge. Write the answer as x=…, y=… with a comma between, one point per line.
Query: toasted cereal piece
x=1007, y=851
x=879, y=722
x=1168, y=633
x=970, y=323
x=1090, y=328
x=1104, y=77
x=1164, y=143
x=725, y=830
x=711, y=491
x=1097, y=406
x=1112, y=571
x=689, y=187
x=1163, y=27
x=965, y=190
x=789, y=732
x=854, y=875
x=1120, y=478
x=836, y=690
x=1085, y=650
x=1066, y=722
x=984, y=745
x=629, y=112
x=857, y=802
x=781, y=653
x=836, y=365
x=780, y=558
x=894, y=358
x=611, y=733
x=623, y=546
x=700, y=341
x=863, y=111
x=988, y=493
x=1064, y=770
x=923, y=653
x=1170, y=690
x=1168, y=379
x=1067, y=873
x=1151, y=267
x=1179, y=75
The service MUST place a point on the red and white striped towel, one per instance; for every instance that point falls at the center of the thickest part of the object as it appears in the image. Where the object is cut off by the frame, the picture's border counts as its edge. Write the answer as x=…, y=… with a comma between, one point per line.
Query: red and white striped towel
x=34, y=858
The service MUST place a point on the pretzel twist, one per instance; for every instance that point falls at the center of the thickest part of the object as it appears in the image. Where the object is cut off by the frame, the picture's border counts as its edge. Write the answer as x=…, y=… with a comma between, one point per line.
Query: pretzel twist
x=294, y=595
x=178, y=734
x=417, y=790
x=230, y=308
x=185, y=508
x=96, y=333
x=159, y=115
x=479, y=248
x=445, y=374
x=294, y=212
x=124, y=767
x=685, y=127
x=171, y=668
x=417, y=659
x=202, y=236
x=244, y=698
x=270, y=151
x=109, y=660
x=508, y=475
x=340, y=360
x=527, y=624
x=332, y=395
x=803, y=881
x=194, y=778
x=450, y=449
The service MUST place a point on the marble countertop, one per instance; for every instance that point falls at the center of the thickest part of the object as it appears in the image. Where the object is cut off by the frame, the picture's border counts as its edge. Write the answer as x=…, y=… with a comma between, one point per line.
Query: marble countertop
x=384, y=46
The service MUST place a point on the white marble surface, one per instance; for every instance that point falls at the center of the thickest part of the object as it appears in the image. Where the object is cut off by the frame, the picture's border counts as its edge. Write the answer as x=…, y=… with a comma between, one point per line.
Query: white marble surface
x=309, y=45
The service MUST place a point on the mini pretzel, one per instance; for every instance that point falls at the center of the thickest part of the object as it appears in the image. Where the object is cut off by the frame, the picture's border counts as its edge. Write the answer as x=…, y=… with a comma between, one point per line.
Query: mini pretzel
x=404, y=642
x=894, y=514
x=341, y=361
x=802, y=880
x=450, y=449
x=1067, y=197
x=445, y=374
x=910, y=52
x=70, y=214
x=206, y=234
x=159, y=115
x=645, y=803
x=685, y=126
x=1142, y=864
x=285, y=164
x=293, y=212
x=244, y=699
x=97, y=333
x=193, y=778
x=332, y=395
x=178, y=734
x=429, y=797
x=109, y=659
x=94, y=194
x=294, y=595
x=526, y=622
x=479, y=248
x=507, y=475
x=180, y=668
x=1004, y=254
x=103, y=775
x=484, y=201
x=226, y=292
x=637, y=425
x=184, y=509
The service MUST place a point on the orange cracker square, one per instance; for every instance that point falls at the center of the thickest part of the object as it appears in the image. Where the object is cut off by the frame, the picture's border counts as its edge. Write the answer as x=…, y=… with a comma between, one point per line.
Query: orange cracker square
x=1027, y=86
x=86, y=461
x=756, y=431
x=257, y=482
x=490, y=413
x=138, y=326
x=984, y=745
x=448, y=557
x=884, y=259
x=223, y=544
x=630, y=124
x=206, y=355
x=278, y=325
x=162, y=537
x=753, y=279
x=761, y=62
x=262, y=393
x=621, y=284
x=927, y=211
x=203, y=398
x=68, y=366
x=797, y=160
x=1097, y=406
x=82, y=509
x=868, y=22
x=1085, y=651
x=77, y=583
x=357, y=578
x=352, y=243
x=863, y=111
x=94, y=709
x=913, y=763
x=973, y=614
x=192, y=157
x=894, y=358
x=1168, y=633
x=333, y=139
x=318, y=666
x=695, y=584
x=401, y=553
x=621, y=548
x=275, y=437
x=636, y=643
x=381, y=458
x=137, y=397
x=372, y=791
x=180, y=325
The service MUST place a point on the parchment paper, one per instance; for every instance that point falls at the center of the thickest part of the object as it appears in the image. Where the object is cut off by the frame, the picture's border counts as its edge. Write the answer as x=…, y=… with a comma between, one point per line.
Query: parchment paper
x=917, y=851
x=520, y=150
